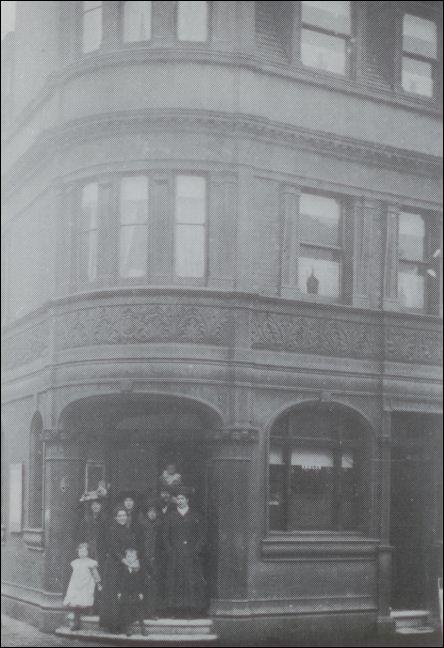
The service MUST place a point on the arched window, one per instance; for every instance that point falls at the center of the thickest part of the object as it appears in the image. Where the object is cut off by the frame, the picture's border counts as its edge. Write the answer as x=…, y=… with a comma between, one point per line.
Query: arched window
x=35, y=497
x=192, y=21
x=137, y=21
x=317, y=466
x=92, y=26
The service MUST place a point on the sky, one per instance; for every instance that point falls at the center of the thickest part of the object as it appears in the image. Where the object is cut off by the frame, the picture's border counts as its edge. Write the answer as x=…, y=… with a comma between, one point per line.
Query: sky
x=8, y=16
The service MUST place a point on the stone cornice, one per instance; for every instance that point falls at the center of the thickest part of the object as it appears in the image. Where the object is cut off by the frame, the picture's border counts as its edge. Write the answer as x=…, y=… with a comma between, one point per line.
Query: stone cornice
x=235, y=125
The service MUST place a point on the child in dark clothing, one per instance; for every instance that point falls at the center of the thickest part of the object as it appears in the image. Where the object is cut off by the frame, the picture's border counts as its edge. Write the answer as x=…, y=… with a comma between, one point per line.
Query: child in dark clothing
x=130, y=593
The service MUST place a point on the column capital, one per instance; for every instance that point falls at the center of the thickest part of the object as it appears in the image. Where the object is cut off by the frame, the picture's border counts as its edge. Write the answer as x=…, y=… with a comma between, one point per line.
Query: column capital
x=236, y=434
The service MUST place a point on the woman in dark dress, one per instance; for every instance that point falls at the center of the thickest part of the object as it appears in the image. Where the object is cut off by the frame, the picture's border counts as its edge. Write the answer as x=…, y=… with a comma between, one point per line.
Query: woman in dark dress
x=93, y=529
x=183, y=536
x=120, y=539
x=150, y=527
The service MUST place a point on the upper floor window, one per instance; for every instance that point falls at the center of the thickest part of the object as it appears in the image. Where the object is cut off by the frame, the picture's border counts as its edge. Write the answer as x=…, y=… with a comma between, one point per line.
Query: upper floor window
x=137, y=21
x=419, y=55
x=326, y=34
x=133, y=247
x=320, y=255
x=92, y=26
x=192, y=21
x=412, y=261
x=190, y=226
x=88, y=233
x=316, y=472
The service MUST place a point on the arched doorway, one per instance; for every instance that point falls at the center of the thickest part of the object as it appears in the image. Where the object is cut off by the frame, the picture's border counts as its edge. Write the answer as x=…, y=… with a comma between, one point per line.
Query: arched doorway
x=127, y=440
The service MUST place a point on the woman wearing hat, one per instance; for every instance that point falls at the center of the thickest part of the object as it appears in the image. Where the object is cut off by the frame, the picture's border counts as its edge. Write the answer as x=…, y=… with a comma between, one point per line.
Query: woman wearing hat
x=93, y=530
x=183, y=537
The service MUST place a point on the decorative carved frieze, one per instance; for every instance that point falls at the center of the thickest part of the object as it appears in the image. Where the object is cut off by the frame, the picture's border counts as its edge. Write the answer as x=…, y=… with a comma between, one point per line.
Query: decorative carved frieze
x=403, y=344
x=235, y=434
x=315, y=335
x=141, y=324
x=26, y=346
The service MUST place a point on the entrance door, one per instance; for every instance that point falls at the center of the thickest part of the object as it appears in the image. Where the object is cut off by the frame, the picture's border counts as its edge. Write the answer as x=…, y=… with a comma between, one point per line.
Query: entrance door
x=412, y=505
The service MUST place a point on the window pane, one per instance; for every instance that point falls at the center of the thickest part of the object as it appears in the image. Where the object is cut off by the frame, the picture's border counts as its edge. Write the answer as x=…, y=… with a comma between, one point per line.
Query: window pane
x=335, y=16
x=134, y=200
x=417, y=77
x=320, y=220
x=411, y=237
x=411, y=287
x=190, y=200
x=88, y=256
x=311, y=490
x=133, y=251
x=420, y=36
x=137, y=21
x=92, y=27
x=90, y=206
x=192, y=21
x=323, y=273
x=323, y=52
x=348, y=491
x=190, y=251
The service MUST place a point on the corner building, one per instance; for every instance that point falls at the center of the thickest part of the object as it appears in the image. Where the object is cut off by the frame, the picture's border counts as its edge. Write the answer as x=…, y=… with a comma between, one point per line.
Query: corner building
x=221, y=244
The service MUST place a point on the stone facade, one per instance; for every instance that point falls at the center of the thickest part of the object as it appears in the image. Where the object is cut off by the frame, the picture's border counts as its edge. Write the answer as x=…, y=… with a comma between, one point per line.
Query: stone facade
x=240, y=347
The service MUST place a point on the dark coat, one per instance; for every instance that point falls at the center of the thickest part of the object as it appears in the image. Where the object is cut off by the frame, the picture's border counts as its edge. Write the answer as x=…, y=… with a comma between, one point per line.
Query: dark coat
x=184, y=540
x=152, y=561
x=131, y=582
x=94, y=531
x=120, y=539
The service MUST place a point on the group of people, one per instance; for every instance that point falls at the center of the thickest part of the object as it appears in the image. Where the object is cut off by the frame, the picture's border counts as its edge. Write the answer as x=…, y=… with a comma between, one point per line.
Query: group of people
x=142, y=562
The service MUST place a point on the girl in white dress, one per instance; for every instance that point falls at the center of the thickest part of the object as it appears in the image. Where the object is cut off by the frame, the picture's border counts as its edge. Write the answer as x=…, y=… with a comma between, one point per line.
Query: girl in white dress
x=85, y=576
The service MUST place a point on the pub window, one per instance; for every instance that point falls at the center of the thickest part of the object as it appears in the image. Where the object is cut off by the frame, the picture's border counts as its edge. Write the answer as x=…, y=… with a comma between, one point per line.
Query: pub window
x=192, y=21
x=137, y=21
x=316, y=479
x=320, y=250
x=419, y=55
x=88, y=233
x=133, y=209
x=190, y=226
x=35, y=514
x=92, y=26
x=413, y=261
x=326, y=35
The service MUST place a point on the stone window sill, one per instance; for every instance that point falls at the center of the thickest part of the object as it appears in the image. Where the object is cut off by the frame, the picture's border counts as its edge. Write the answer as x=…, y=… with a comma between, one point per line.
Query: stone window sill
x=287, y=546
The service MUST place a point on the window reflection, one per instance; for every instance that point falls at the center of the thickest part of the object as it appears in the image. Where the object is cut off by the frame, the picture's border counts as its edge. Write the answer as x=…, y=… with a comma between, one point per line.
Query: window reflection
x=88, y=243
x=190, y=234
x=412, y=261
x=325, y=37
x=420, y=54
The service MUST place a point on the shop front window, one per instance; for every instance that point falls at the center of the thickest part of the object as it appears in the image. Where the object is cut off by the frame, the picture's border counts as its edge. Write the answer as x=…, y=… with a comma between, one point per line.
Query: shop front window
x=315, y=478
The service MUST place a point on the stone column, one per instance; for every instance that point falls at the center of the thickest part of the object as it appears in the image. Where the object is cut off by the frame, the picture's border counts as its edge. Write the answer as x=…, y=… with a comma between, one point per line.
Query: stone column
x=61, y=484
x=391, y=259
x=229, y=508
x=385, y=550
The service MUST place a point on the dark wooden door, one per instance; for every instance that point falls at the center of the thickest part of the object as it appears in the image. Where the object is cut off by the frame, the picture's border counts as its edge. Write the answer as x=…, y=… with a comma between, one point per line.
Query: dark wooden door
x=411, y=509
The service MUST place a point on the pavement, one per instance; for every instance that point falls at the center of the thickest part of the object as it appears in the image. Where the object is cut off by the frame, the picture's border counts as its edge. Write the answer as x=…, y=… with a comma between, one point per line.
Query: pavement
x=15, y=633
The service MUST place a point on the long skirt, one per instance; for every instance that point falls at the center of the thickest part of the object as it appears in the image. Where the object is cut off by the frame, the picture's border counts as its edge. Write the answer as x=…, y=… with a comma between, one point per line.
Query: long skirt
x=185, y=585
x=109, y=602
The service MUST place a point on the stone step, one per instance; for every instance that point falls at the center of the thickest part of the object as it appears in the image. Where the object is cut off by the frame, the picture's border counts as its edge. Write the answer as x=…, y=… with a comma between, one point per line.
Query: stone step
x=160, y=626
x=410, y=618
x=418, y=630
x=152, y=639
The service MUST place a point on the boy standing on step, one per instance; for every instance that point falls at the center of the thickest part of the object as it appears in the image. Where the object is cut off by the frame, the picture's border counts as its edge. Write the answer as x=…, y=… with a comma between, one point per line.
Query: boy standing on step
x=130, y=593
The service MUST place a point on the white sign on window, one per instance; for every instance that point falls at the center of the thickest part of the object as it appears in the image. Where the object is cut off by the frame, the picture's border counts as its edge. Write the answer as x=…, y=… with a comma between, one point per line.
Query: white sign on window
x=15, y=498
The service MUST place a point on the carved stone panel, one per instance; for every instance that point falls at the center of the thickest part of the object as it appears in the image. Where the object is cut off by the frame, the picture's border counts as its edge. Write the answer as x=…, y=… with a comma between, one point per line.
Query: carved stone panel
x=27, y=346
x=314, y=335
x=411, y=345
x=143, y=324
